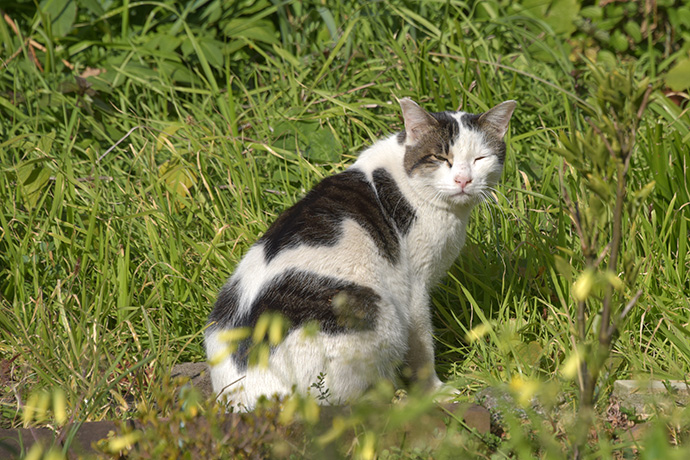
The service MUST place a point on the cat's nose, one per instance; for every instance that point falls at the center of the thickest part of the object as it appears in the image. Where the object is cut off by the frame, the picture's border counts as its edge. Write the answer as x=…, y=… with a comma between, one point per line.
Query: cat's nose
x=463, y=181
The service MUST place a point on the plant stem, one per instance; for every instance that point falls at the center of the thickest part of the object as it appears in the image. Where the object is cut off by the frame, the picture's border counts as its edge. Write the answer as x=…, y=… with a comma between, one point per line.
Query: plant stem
x=605, y=333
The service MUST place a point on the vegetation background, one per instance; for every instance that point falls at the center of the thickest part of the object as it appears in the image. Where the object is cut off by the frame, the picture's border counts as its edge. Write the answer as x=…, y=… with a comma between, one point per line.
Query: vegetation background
x=144, y=145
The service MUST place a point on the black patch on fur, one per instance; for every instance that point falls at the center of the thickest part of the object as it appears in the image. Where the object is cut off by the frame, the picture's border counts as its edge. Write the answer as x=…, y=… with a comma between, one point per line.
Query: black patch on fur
x=448, y=126
x=336, y=305
x=393, y=201
x=434, y=144
x=316, y=220
x=224, y=311
x=471, y=121
x=497, y=145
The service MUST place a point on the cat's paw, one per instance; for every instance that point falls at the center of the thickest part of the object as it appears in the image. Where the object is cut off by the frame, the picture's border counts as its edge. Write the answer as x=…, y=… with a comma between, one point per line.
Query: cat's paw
x=445, y=394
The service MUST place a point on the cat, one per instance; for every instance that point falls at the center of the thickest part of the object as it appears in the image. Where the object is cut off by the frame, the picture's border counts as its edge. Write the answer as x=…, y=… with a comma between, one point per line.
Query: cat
x=357, y=257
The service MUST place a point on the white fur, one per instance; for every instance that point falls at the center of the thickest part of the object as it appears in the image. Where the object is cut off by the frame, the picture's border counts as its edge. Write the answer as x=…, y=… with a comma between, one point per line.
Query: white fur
x=352, y=362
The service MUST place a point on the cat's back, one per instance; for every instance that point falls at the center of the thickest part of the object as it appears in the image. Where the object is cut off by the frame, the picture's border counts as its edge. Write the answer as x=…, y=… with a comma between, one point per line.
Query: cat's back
x=345, y=231
x=318, y=219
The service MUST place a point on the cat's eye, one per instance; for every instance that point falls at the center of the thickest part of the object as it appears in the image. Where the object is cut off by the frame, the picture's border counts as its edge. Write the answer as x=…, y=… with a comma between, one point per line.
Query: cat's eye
x=479, y=158
x=442, y=159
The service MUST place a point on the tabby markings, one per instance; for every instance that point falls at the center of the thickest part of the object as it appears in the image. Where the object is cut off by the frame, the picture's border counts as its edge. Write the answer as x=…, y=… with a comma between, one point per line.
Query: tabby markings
x=317, y=219
x=336, y=305
x=495, y=142
x=433, y=145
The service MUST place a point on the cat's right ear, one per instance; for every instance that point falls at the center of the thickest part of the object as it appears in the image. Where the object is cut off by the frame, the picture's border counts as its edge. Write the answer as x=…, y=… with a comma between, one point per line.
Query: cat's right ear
x=496, y=119
x=418, y=122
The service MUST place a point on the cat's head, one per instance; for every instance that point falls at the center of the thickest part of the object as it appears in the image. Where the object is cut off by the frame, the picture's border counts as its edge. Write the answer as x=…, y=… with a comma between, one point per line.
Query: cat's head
x=455, y=157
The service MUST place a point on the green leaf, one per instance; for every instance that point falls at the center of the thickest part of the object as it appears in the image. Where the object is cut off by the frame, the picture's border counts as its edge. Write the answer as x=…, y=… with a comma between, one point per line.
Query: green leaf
x=262, y=31
x=164, y=135
x=619, y=41
x=61, y=14
x=45, y=143
x=287, y=56
x=32, y=178
x=165, y=43
x=564, y=268
x=178, y=178
x=684, y=16
x=418, y=21
x=561, y=16
x=644, y=192
x=529, y=353
x=633, y=30
x=93, y=6
x=213, y=50
x=323, y=146
x=592, y=12
x=327, y=17
x=178, y=72
x=678, y=78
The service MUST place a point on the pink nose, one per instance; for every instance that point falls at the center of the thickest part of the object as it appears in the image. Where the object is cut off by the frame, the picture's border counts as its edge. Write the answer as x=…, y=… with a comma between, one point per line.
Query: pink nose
x=462, y=181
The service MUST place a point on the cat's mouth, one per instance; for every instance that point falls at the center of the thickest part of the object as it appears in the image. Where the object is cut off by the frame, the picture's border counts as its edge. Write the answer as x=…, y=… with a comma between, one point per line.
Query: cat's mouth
x=468, y=197
x=462, y=197
x=456, y=196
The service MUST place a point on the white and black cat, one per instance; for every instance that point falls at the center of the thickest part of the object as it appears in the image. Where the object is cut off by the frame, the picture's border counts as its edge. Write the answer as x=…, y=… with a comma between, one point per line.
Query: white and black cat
x=358, y=256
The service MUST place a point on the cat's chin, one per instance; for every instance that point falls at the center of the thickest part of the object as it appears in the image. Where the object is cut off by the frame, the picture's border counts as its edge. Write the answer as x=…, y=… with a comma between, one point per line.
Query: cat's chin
x=463, y=199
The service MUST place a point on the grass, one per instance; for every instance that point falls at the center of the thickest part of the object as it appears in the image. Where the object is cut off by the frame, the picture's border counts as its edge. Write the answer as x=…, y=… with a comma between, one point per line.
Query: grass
x=126, y=204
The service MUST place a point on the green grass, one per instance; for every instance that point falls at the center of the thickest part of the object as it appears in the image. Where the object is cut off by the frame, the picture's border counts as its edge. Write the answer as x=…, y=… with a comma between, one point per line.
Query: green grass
x=126, y=205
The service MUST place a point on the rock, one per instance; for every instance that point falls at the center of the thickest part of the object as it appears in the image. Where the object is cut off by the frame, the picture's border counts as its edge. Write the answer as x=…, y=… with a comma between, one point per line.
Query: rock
x=477, y=417
x=15, y=443
x=498, y=400
x=199, y=375
x=643, y=397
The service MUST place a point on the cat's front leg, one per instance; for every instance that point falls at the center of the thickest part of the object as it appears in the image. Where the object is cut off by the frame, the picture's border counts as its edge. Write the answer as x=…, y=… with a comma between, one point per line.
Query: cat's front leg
x=420, y=350
x=420, y=360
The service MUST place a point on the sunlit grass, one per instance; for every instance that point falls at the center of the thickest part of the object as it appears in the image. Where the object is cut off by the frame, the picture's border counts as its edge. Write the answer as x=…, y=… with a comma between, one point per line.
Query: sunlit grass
x=123, y=211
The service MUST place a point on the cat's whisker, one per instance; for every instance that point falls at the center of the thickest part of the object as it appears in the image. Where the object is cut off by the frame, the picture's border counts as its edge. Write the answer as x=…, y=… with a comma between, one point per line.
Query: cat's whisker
x=498, y=206
x=498, y=192
x=489, y=196
x=485, y=204
x=495, y=223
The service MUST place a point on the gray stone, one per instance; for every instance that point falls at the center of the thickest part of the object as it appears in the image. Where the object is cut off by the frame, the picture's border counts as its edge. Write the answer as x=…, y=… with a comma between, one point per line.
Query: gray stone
x=476, y=417
x=498, y=400
x=645, y=397
x=16, y=443
x=198, y=374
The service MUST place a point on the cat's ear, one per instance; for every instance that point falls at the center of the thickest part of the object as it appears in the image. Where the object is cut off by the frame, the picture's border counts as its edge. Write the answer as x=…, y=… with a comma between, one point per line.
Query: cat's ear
x=496, y=120
x=417, y=120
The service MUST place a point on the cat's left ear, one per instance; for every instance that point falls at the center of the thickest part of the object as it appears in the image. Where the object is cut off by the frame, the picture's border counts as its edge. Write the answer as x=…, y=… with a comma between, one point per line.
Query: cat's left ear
x=496, y=119
x=418, y=122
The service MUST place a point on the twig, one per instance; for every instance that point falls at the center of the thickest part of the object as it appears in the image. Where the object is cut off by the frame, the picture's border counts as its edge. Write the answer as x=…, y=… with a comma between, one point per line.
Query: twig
x=574, y=213
x=31, y=44
x=88, y=178
x=624, y=313
x=601, y=135
x=117, y=143
x=616, y=240
x=20, y=404
x=645, y=100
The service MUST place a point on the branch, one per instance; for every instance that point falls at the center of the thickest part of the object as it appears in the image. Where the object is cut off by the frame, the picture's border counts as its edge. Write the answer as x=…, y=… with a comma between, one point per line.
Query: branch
x=574, y=212
x=117, y=143
x=614, y=326
x=645, y=101
x=596, y=129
